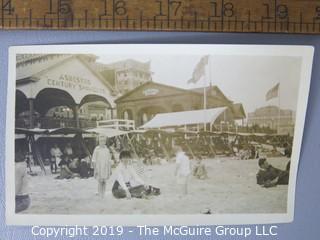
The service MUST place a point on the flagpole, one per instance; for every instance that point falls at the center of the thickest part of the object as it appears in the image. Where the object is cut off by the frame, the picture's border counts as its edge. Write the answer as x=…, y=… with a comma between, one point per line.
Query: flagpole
x=210, y=70
x=279, y=111
x=205, y=98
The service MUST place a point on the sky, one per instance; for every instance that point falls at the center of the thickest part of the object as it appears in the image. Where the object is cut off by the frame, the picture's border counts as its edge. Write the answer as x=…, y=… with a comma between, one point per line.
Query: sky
x=243, y=79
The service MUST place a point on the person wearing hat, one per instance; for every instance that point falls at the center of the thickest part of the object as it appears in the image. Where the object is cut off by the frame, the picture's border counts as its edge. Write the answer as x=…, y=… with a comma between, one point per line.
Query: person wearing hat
x=269, y=176
x=126, y=181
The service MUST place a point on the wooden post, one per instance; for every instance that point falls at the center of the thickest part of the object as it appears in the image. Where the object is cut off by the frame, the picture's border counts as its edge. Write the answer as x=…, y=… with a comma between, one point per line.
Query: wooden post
x=76, y=115
x=31, y=113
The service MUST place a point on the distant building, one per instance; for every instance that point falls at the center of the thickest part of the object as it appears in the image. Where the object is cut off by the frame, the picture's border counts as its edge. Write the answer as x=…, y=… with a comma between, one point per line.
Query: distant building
x=269, y=116
x=125, y=75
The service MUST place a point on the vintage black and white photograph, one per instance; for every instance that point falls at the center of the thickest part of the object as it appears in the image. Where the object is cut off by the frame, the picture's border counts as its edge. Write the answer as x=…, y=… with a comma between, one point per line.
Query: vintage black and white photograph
x=189, y=133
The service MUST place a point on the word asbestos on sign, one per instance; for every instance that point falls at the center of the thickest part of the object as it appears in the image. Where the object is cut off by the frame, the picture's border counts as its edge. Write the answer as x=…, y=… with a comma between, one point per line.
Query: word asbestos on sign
x=287, y=16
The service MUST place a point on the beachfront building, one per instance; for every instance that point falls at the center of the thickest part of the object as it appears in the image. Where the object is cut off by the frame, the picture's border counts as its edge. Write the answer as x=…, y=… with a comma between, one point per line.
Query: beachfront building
x=281, y=121
x=125, y=75
x=61, y=90
x=149, y=99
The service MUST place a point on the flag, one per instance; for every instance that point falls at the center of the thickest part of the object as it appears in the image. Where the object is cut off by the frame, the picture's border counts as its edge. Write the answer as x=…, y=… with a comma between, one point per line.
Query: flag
x=273, y=92
x=199, y=70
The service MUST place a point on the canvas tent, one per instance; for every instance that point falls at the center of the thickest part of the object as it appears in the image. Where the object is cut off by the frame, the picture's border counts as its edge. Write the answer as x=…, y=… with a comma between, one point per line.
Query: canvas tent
x=108, y=132
x=176, y=119
x=33, y=136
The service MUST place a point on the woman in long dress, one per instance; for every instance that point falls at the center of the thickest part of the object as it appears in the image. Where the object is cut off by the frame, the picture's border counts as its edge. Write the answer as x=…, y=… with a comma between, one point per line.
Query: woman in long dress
x=101, y=159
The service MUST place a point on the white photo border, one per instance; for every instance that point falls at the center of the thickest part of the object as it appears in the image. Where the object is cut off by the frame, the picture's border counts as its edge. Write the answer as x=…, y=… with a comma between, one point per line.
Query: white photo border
x=306, y=54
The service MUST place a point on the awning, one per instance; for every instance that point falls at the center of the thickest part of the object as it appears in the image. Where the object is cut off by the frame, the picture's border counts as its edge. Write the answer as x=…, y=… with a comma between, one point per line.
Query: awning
x=108, y=132
x=55, y=131
x=177, y=119
x=33, y=131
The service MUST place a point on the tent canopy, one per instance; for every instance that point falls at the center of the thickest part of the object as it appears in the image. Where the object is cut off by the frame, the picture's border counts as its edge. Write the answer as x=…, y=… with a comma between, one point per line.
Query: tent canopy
x=108, y=132
x=194, y=117
x=54, y=131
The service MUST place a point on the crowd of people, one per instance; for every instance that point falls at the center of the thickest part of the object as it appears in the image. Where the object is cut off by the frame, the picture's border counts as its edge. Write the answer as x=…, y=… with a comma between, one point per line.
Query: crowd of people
x=112, y=162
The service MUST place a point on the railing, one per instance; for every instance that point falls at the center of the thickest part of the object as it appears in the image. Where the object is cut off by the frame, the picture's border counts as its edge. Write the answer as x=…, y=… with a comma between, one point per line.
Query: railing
x=49, y=123
x=119, y=124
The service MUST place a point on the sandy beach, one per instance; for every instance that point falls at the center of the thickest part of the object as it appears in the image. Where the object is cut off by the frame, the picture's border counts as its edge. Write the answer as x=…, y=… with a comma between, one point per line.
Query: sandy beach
x=230, y=188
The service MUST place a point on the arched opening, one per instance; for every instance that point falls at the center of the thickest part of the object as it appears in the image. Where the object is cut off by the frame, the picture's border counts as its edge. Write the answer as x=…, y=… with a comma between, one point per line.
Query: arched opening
x=94, y=108
x=147, y=113
x=127, y=114
x=22, y=103
x=51, y=97
x=56, y=108
x=22, y=116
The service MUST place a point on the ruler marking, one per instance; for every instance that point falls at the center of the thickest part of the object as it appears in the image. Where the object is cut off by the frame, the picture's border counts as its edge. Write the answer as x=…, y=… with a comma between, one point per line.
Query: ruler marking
x=182, y=22
x=300, y=22
x=314, y=24
x=236, y=24
x=249, y=21
x=223, y=16
x=30, y=18
x=127, y=21
x=168, y=17
x=2, y=14
x=275, y=15
x=113, y=14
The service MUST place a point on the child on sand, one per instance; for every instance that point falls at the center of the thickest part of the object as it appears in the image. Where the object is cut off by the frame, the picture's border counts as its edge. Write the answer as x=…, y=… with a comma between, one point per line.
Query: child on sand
x=101, y=159
x=183, y=169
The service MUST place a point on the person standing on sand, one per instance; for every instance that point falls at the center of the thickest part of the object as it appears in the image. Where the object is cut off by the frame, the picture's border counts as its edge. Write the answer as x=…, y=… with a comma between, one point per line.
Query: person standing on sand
x=22, y=198
x=101, y=159
x=183, y=169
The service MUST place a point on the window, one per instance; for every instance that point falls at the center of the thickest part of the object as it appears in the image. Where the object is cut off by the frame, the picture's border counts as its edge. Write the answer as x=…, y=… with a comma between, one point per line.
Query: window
x=126, y=115
x=144, y=118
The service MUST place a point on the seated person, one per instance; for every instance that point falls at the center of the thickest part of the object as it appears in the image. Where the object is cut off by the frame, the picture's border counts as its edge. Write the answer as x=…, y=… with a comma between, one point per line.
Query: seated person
x=22, y=198
x=65, y=172
x=84, y=168
x=269, y=176
x=74, y=165
x=126, y=181
x=68, y=152
x=199, y=170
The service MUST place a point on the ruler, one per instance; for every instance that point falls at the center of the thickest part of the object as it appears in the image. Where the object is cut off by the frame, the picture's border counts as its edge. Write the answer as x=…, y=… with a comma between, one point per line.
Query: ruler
x=269, y=16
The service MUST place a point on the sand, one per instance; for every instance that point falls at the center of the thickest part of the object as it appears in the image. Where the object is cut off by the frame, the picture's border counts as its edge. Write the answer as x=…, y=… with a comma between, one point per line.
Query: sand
x=230, y=188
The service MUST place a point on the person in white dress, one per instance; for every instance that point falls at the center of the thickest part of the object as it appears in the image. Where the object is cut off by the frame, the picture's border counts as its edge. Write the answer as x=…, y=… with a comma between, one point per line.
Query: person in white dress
x=182, y=170
x=101, y=159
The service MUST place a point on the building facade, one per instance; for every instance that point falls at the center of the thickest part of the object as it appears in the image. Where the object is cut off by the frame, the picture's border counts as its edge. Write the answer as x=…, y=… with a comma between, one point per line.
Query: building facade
x=144, y=102
x=60, y=90
x=280, y=120
x=125, y=75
